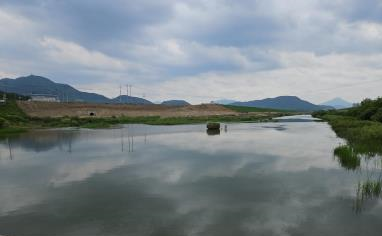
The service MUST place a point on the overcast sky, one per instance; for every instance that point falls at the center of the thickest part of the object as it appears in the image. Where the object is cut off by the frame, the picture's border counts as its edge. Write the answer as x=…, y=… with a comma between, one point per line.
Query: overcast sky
x=199, y=50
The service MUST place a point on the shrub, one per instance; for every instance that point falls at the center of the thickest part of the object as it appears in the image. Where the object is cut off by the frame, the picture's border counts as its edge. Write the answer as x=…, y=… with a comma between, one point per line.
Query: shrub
x=16, y=118
x=65, y=120
x=377, y=116
x=367, y=113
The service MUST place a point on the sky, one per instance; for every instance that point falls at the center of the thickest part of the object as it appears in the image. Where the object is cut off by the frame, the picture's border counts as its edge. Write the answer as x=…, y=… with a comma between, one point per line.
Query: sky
x=199, y=50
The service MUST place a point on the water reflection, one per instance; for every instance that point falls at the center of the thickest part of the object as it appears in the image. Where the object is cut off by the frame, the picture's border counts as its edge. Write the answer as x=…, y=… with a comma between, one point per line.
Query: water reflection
x=256, y=179
x=44, y=140
x=130, y=139
x=213, y=131
x=365, y=160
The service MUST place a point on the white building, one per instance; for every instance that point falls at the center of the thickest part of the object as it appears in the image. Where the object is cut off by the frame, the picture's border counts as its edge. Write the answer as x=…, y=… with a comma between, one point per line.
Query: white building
x=44, y=98
x=3, y=100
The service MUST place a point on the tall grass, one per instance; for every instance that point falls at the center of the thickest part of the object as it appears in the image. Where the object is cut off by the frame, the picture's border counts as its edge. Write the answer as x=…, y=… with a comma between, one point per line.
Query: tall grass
x=347, y=157
x=355, y=130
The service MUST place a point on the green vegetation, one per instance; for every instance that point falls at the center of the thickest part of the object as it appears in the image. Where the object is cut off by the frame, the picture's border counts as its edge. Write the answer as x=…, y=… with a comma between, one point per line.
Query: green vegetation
x=11, y=131
x=358, y=125
x=253, y=109
x=347, y=157
x=370, y=189
x=12, y=118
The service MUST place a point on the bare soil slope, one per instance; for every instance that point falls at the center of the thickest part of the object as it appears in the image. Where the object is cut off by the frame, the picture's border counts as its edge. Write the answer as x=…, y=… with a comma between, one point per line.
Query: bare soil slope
x=49, y=109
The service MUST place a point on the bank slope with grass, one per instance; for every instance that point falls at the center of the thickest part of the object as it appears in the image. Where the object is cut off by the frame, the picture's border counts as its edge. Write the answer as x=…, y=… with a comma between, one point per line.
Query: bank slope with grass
x=13, y=119
x=361, y=125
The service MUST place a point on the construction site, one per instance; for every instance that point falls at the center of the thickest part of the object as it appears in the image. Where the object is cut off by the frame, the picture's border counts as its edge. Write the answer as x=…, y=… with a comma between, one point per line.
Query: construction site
x=51, y=109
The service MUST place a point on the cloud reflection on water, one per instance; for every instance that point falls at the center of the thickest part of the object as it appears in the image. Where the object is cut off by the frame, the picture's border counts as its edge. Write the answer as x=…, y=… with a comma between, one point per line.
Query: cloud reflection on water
x=180, y=181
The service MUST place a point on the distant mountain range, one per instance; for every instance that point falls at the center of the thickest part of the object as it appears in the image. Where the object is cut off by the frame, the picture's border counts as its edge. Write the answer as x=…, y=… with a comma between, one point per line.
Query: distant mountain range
x=33, y=84
x=338, y=103
x=284, y=103
x=175, y=103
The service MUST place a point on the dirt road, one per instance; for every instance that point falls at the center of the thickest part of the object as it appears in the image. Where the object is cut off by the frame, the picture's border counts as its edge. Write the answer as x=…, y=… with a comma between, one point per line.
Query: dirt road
x=51, y=109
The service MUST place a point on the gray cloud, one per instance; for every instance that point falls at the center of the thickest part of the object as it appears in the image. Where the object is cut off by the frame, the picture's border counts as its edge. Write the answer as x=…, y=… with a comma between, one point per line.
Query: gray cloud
x=90, y=43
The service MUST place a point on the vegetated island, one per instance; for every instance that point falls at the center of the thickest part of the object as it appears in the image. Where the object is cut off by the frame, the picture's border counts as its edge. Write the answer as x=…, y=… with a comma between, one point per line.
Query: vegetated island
x=18, y=115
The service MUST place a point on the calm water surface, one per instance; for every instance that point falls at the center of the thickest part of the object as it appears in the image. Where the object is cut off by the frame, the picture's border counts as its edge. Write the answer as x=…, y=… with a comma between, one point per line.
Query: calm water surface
x=251, y=179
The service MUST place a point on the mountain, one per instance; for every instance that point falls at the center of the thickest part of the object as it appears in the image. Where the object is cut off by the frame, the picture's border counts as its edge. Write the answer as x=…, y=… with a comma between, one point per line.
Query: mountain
x=175, y=103
x=283, y=103
x=130, y=100
x=33, y=84
x=39, y=85
x=225, y=101
x=338, y=103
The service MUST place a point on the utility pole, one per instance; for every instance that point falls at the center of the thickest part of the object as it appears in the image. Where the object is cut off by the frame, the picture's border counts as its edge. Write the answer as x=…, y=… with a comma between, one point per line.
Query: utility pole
x=120, y=93
x=130, y=89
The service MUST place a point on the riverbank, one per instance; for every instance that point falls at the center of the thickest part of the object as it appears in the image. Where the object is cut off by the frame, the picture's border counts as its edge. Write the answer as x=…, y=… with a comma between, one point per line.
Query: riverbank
x=353, y=129
x=13, y=119
x=361, y=126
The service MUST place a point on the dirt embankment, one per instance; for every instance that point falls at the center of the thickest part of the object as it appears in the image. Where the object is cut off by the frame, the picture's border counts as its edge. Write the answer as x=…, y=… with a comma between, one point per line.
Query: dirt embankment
x=50, y=109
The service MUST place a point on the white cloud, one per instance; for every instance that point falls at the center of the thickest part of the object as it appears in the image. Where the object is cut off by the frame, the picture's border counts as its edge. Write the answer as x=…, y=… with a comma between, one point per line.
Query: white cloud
x=71, y=53
x=176, y=52
x=364, y=31
x=4, y=74
x=310, y=76
x=12, y=25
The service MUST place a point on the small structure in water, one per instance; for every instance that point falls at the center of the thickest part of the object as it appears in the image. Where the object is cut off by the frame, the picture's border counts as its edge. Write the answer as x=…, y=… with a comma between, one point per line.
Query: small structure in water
x=213, y=126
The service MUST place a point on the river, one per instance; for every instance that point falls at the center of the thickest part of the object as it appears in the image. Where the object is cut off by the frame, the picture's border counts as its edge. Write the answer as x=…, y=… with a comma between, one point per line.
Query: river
x=250, y=179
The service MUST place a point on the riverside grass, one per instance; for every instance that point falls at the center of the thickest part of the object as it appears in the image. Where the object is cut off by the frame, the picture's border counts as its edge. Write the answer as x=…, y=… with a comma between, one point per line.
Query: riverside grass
x=358, y=125
x=355, y=130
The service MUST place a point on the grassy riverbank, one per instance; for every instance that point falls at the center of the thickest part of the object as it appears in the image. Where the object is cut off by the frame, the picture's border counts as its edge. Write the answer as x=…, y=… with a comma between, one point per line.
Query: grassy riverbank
x=14, y=120
x=361, y=126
